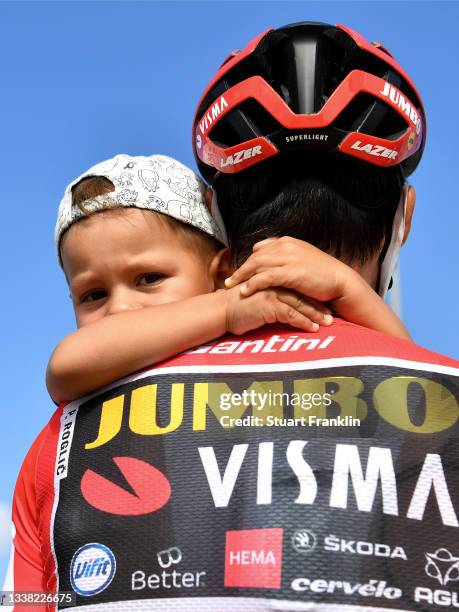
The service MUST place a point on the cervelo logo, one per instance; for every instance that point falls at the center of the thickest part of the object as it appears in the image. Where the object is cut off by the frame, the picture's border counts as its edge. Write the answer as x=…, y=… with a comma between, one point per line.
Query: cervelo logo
x=151, y=489
x=374, y=150
x=92, y=569
x=378, y=589
x=253, y=558
x=214, y=111
x=240, y=156
x=397, y=98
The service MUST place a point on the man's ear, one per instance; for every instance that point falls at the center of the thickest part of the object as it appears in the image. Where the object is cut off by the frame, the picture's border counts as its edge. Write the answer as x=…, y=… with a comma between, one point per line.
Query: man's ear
x=220, y=268
x=409, y=210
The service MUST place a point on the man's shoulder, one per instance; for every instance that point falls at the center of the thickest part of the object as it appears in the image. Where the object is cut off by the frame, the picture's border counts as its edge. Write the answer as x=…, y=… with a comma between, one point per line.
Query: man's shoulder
x=343, y=343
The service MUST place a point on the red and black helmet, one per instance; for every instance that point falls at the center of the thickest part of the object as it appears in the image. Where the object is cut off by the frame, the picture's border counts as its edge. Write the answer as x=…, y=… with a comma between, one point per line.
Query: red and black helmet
x=309, y=87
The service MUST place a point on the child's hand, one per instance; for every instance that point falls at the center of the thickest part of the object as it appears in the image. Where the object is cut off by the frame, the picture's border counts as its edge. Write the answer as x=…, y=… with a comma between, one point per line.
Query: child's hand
x=293, y=264
x=270, y=306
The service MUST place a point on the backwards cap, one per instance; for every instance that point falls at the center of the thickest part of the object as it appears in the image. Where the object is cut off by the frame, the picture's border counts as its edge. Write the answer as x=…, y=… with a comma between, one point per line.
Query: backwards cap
x=157, y=182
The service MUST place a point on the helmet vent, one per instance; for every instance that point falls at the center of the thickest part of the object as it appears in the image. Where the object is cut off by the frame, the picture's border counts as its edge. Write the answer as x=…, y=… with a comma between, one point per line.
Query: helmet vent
x=249, y=119
x=369, y=116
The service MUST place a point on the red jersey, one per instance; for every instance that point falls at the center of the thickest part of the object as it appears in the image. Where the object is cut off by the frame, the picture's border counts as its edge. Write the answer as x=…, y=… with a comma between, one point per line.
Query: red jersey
x=275, y=471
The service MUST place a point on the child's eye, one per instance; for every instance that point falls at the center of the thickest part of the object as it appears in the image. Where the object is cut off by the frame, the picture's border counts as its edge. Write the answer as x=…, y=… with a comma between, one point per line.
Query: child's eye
x=93, y=296
x=149, y=279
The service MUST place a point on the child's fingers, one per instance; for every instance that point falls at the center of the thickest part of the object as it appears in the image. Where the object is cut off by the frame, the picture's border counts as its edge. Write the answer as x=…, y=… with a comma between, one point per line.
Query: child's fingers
x=246, y=271
x=263, y=243
x=291, y=316
x=275, y=277
x=315, y=311
x=257, y=262
x=260, y=281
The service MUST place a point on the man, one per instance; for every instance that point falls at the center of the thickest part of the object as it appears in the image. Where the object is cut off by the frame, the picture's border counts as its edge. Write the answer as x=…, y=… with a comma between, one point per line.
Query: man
x=280, y=470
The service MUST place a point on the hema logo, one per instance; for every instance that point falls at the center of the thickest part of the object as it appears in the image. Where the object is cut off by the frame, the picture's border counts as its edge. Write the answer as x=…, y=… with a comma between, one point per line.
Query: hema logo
x=92, y=569
x=253, y=558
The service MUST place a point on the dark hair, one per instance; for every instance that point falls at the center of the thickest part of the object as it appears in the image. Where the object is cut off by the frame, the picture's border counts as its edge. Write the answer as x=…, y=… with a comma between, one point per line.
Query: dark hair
x=344, y=208
x=90, y=187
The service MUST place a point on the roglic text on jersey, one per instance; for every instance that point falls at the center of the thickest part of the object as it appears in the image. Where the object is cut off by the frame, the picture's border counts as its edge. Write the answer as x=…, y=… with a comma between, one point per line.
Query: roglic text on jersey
x=254, y=474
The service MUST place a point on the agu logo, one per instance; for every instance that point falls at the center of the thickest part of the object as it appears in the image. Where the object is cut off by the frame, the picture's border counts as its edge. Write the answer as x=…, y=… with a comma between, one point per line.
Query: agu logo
x=253, y=558
x=92, y=569
x=442, y=566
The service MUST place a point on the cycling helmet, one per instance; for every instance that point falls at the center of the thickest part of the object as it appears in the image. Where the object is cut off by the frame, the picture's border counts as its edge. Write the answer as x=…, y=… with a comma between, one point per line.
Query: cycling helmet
x=309, y=87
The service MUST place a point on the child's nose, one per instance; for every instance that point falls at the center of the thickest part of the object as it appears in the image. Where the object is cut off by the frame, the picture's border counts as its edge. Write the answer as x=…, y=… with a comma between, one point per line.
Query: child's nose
x=123, y=301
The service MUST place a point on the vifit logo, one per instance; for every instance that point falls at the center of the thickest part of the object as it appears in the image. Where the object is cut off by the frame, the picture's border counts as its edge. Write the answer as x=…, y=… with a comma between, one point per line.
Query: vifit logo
x=92, y=569
x=253, y=558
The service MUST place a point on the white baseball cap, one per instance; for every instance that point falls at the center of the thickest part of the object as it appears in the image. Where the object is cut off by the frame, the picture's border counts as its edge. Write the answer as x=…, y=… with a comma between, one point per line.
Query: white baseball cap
x=154, y=182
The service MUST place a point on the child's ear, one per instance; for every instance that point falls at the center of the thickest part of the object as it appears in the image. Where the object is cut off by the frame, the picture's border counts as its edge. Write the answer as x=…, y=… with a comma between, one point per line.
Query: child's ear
x=220, y=268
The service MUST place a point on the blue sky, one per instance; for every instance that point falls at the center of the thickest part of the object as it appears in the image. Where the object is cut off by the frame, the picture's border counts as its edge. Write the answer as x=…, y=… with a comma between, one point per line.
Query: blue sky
x=82, y=81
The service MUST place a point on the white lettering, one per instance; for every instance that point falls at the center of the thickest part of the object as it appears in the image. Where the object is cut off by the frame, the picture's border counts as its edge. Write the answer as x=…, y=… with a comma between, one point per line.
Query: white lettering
x=432, y=476
x=303, y=471
x=375, y=150
x=222, y=488
x=379, y=468
x=240, y=156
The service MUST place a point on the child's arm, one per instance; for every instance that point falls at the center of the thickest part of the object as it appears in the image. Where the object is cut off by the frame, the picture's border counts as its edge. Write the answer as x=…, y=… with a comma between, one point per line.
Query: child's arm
x=122, y=343
x=301, y=267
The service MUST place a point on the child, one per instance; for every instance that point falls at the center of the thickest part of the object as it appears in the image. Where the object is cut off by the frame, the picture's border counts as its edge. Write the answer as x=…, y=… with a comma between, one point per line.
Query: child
x=137, y=242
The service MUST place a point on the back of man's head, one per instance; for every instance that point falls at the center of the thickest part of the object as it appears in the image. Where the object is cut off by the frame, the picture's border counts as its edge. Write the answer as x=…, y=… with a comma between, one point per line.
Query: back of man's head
x=318, y=128
x=341, y=206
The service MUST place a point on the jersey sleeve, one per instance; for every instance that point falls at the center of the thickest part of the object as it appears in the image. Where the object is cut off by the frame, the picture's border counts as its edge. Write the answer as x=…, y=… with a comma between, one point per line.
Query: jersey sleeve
x=26, y=567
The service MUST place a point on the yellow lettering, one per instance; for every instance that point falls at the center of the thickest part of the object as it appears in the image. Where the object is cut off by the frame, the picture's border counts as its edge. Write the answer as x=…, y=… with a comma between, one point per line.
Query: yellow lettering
x=265, y=398
x=343, y=390
x=110, y=421
x=143, y=411
x=439, y=408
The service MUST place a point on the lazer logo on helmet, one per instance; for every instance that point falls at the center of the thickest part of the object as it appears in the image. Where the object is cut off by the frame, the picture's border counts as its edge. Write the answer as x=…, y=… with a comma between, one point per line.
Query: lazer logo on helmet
x=240, y=156
x=375, y=150
x=212, y=114
x=399, y=100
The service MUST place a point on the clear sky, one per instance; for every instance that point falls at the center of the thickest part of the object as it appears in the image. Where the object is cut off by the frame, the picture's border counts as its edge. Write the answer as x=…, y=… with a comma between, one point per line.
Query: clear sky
x=82, y=81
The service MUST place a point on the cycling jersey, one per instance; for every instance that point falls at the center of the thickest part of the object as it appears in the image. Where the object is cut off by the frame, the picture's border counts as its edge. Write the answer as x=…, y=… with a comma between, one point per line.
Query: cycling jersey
x=275, y=471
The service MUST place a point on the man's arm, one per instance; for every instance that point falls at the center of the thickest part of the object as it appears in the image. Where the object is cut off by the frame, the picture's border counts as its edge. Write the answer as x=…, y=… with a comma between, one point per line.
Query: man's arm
x=26, y=567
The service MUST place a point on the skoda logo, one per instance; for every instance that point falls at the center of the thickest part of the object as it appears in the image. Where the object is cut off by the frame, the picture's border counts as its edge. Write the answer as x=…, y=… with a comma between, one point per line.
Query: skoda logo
x=304, y=541
x=92, y=569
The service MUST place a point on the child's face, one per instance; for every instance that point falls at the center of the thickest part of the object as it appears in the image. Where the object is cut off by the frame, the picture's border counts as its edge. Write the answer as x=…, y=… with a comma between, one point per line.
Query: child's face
x=128, y=259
